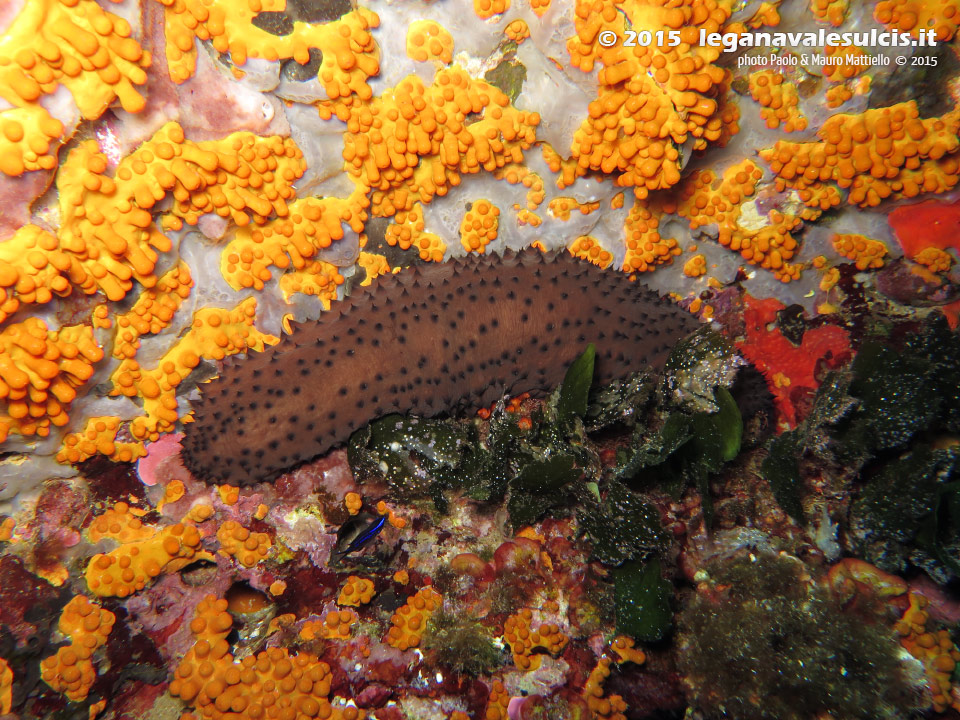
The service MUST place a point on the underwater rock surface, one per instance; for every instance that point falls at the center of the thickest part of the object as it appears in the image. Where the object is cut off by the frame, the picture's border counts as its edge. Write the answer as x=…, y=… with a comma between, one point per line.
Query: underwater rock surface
x=490, y=360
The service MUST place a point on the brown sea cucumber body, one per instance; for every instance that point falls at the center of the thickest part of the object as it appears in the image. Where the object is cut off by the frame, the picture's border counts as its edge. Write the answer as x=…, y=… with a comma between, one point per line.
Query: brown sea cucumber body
x=422, y=342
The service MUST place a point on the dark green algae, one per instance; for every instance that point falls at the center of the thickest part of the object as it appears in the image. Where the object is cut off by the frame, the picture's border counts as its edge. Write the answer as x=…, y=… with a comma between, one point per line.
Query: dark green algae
x=885, y=429
x=458, y=643
x=554, y=465
x=767, y=642
x=602, y=455
x=673, y=431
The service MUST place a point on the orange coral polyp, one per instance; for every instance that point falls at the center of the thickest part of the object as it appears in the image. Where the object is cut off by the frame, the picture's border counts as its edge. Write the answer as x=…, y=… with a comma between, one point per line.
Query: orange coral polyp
x=40, y=372
x=212, y=682
x=524, y=640
x=882, y=153
x=480, y=226
x=131, y=566
x=71, y=670
x=247, y=547
x=409, y=622
x=655, y=97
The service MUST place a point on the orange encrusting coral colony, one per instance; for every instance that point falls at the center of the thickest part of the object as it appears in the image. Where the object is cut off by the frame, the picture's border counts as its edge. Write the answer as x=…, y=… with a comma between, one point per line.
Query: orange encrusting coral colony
x=846, y=74
x=272, y=683
x=144, y=553
x=40, y=372
x=588, y=248
x=523, y=639
x=214, y=334
x=409, y=622
x=883, y=153
x=107, y=236
x=779, y=100
x=832, y=11
x=865, y=252
x=651, y=99
x=610, y=707
x=6, y=687
x=936, y=651
x=406, y=231
x=412, y=143
x=247, y=547
x=479, y=226
x=941, y=16
x=428, y=40
x=403, y=149
x=77, y=45
x=121, y=523
x=336, y=625
x=356, y=591
x=71, y=670
x=350, y=54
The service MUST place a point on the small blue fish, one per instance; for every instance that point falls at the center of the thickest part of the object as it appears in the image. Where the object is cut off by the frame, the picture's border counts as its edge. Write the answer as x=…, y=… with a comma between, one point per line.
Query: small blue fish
x=357, y=532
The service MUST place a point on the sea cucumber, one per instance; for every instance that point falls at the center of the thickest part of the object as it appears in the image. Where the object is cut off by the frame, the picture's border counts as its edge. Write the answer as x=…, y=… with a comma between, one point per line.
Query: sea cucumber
x=424, y=341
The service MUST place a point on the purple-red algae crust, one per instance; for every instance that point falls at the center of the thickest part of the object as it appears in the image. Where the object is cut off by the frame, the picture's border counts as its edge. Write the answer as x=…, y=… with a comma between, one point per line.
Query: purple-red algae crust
x=423, y=342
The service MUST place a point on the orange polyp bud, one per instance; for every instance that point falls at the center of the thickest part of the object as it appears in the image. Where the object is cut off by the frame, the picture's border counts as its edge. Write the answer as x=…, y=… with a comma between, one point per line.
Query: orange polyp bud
x=70, y=671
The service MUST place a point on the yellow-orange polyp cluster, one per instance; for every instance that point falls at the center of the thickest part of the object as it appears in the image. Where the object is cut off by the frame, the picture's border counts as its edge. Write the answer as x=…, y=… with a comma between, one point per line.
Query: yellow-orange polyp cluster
x=479, y=226
x=651, y=99
x=71, y=43
x=272, y=683
x=40, y=372
x=409, y=622
x=131, y=566
x=71, y=670
x=524, y=639
x=247, y=547
x=882, y=153
x=350, y=54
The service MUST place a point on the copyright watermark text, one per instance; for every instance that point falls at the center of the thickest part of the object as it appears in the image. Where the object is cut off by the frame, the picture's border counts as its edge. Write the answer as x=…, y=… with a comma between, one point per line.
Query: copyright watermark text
x=731, y=42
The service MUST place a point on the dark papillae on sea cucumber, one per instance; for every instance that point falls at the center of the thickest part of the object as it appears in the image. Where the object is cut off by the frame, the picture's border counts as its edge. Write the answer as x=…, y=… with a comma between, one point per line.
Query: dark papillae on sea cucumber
x=424, y=341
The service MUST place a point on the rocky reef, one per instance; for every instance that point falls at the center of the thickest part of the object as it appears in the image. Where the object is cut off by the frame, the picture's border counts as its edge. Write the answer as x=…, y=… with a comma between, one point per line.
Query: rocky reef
x=504, y=360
